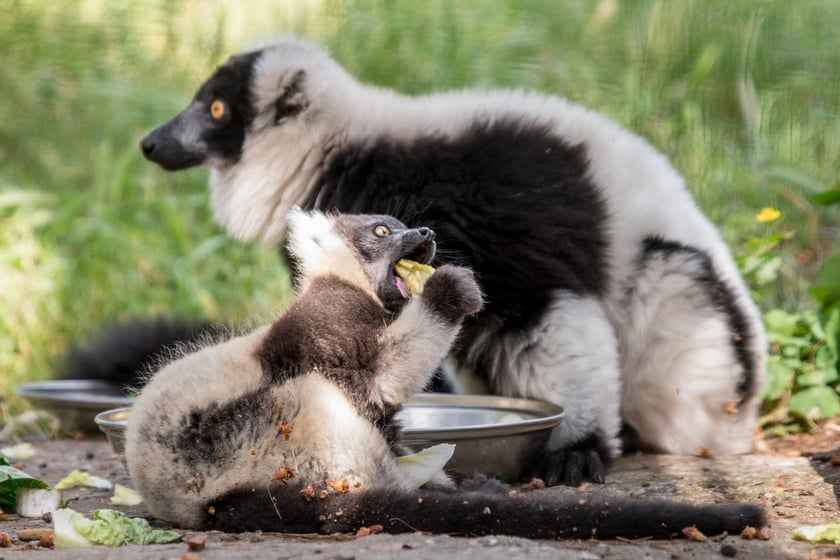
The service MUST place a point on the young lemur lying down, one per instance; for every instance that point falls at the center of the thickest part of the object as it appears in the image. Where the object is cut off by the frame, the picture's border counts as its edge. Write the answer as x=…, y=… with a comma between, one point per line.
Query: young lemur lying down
x=291, y=427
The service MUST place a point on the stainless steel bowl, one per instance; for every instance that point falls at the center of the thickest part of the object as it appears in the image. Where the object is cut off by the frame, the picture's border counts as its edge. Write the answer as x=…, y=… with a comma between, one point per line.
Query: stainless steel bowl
x=74, y=402
x=496, y=436
x=113, y=424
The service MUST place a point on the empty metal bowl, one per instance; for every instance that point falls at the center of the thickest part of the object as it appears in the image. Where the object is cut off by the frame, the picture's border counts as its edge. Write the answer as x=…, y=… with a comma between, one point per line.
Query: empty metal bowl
x=74, y=402
x=497, y=436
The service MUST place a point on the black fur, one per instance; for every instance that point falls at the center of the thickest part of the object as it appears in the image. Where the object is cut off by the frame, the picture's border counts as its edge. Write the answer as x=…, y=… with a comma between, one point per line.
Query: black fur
x=540, y=514
x=207, y=436
x=292, y=101
x=547, y=215
x=334, y=329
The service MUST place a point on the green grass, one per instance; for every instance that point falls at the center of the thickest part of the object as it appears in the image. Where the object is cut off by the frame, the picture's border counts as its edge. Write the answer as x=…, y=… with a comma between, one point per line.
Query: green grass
x=742, y=96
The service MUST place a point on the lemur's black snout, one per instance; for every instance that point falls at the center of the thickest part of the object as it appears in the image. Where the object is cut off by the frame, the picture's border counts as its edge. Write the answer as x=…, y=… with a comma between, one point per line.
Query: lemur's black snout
x=419, y=245
x=163, y=147
x=148, y=146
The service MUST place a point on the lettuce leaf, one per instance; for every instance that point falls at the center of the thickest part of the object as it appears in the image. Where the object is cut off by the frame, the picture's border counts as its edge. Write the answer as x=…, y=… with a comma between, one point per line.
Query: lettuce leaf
x=125, y=496
x=422, y=466
x=64, y=531
x=10, y=480
x=828, y=533
x=81, y=478
x=108, y=527
x=19, y=452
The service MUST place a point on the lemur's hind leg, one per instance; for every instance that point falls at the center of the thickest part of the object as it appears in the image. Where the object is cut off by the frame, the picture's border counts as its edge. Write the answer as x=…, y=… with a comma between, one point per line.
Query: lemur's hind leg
x=570, y=358
x=692, y=350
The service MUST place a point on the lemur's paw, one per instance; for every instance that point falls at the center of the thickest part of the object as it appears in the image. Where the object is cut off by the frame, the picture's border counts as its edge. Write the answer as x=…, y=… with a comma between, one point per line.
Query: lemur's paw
x=453, y=293
x=573, y=464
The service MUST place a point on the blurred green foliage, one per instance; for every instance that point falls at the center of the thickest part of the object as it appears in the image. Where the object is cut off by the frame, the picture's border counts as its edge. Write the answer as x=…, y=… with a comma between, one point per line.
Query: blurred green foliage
x=803, y=373
x=743, y=97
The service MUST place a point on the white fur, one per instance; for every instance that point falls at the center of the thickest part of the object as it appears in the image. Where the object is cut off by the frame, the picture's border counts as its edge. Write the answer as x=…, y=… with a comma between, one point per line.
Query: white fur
x=321, y=251
x=645, y=197
x=409, y=351
x=676, y=349
x=542, y=358
x=192, y=381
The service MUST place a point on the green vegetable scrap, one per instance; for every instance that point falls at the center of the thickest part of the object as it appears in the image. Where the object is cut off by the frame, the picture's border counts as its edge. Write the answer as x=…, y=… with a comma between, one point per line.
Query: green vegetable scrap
x=125, y=496
x=80, y=478
x=821, y=534
x=19, y=452
x=10, y=480
x=109, y=527
x=422, y=466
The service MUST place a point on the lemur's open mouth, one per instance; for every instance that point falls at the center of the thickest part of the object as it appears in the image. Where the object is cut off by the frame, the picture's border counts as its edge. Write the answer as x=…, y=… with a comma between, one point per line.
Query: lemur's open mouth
x=422, y=253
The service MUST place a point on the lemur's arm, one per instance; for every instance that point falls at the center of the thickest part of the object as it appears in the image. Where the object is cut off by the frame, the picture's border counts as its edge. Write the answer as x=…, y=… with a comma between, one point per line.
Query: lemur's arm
x=416, y=342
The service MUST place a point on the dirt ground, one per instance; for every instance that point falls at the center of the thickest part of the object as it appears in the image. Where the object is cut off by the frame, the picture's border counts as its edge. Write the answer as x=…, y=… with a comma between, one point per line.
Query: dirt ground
x=796, y=479
x=824, y=439
x=821, y=447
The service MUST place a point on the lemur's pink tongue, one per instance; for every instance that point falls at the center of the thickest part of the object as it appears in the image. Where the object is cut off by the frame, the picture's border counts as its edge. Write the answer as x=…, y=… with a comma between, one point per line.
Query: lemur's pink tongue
x=401, y=286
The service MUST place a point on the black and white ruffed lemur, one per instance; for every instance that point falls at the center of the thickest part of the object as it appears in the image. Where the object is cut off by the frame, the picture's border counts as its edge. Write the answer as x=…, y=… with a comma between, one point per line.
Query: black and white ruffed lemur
x=607, y=290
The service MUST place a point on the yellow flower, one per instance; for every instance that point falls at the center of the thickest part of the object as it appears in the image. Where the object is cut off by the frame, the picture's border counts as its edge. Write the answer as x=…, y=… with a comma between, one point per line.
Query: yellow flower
x=767, y=215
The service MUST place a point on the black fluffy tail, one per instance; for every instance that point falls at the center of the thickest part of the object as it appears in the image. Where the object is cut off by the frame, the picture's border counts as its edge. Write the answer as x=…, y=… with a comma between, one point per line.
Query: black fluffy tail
x=121, y=353
x=539, y=514
x=543, y=516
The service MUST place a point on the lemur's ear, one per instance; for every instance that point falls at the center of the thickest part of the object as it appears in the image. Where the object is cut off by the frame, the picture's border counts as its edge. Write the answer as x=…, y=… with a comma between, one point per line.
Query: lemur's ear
x=292, y=97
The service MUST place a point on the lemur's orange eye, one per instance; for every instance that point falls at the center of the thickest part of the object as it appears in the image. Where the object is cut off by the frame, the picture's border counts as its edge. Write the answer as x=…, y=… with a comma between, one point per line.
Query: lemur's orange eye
x=382, y=231
x=217, y=109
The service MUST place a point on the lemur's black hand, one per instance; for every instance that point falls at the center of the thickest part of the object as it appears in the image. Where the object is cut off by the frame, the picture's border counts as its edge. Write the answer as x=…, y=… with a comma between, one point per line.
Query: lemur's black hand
x=573, y=464
x=453, y=293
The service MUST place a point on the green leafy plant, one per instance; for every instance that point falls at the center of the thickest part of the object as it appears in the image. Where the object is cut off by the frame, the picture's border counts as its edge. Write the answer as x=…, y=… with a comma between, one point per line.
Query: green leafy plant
x=803, y=373
x=762, y=263
x=827, y=288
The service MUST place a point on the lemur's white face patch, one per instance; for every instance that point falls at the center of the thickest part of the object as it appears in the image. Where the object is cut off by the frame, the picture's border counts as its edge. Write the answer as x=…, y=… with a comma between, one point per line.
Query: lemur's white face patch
x=320, y=250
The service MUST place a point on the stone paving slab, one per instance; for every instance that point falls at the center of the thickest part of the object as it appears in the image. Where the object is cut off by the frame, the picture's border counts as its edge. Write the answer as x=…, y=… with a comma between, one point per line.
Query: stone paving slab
x=795, y=491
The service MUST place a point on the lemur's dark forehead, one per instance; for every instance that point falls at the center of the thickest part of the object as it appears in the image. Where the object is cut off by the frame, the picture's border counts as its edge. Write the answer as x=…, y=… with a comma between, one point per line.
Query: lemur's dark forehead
x=389, y=221
x=230, y=79
x=367, y=221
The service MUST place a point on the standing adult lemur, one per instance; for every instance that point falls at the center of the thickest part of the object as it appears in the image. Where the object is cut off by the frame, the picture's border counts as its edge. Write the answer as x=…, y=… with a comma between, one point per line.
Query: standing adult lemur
x=290, y=427
x=607, y=291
